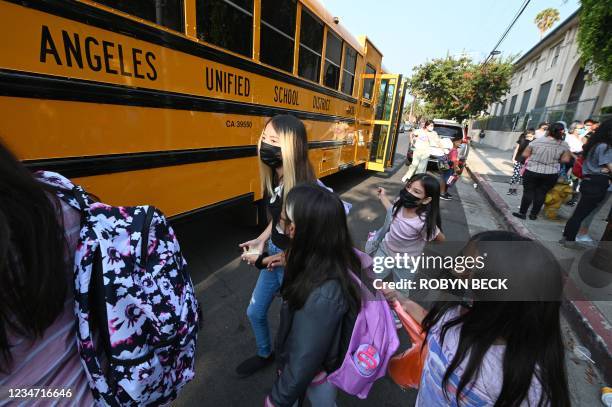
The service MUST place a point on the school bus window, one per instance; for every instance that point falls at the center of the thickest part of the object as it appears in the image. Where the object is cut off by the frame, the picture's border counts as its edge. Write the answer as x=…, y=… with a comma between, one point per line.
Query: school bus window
x=168, y=13
x=277, y=33
x=348, y=78
x=228, y=24
x=311, y=44
x=368, y=83
x=333, y=56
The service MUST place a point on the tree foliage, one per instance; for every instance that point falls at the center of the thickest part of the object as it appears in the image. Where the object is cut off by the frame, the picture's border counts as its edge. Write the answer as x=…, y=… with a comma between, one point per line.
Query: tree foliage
x=459, y=88
x=595, y=37
x=545, y=19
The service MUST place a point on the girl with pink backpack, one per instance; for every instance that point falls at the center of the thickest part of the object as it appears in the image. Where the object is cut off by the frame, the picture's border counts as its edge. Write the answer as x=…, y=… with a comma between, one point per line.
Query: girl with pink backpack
x=330, y=333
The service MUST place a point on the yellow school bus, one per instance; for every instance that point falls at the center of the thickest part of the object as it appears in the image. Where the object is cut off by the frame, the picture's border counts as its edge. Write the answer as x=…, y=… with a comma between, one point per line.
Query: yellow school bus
x=162, y=102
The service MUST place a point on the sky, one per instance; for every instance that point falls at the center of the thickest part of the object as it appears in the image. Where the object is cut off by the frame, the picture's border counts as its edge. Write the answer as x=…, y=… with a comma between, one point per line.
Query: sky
x=410, y=32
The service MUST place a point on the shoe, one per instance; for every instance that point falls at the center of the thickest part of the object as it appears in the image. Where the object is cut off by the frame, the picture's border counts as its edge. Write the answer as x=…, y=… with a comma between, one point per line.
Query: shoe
x=519, y=215
x=446, y=196
x=253, y=364
x=509, y=192
x=514, y=192
x=571, y=203
x=568, y=244
x=532, y=216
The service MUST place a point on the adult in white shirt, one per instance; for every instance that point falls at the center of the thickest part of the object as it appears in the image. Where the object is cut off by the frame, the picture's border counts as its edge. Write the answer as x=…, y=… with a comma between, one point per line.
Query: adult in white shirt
x=542, y=130
x=574, y=138
x=422, y=140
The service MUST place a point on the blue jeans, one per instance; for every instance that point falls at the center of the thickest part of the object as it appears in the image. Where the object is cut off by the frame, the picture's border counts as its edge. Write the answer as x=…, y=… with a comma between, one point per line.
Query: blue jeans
x=268, y=284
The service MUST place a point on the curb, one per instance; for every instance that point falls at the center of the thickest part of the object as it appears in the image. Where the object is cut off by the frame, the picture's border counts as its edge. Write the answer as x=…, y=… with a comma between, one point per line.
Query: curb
x=588, y=322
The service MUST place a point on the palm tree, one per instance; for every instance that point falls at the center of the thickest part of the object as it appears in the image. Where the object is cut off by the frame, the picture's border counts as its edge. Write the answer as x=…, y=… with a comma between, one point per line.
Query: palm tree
x=545, y=19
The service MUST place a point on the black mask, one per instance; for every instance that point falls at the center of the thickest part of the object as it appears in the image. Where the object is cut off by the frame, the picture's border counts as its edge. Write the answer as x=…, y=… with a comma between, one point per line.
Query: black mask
x=408, y=200
x=270, y=155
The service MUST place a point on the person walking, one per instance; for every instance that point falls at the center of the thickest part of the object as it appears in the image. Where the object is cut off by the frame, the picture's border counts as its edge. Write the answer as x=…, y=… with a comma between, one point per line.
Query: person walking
x=415, y=220
x=38, y=239
x=497, y=350
x=596, y=172
x=454, y=168
x=519, y=161
x=283, y=155
x=320, y=299
x=423, y=139
x=544, y=157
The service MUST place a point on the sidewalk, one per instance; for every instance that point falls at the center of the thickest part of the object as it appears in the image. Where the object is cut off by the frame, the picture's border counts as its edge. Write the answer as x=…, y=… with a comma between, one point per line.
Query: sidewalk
x=491, y=168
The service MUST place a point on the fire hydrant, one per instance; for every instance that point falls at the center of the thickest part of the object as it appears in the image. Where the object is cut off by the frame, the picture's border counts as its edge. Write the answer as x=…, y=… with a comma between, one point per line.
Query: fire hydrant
x=560, y=194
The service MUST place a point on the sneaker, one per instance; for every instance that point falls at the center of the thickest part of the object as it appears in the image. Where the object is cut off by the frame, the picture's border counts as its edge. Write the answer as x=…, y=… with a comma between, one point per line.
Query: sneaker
x=253, y=364
x=446, y=196
x=533, y=216
x=568, y=244
x=511, y=192
x=519, y=215
x=571, y=203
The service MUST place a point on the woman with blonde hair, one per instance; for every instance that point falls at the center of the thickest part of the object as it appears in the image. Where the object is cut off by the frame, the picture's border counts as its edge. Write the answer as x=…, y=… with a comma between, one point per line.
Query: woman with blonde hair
x=283, y=155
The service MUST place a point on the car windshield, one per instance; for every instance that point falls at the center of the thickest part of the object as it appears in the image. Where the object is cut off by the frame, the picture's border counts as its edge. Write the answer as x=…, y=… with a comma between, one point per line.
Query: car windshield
x=444, y=130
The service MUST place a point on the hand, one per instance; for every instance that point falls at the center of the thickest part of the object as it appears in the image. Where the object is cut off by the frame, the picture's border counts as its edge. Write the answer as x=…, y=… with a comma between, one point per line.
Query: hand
x=381, y=193
x=277, y=260
x=251, y=250
x=250, y=258
x=390, y=295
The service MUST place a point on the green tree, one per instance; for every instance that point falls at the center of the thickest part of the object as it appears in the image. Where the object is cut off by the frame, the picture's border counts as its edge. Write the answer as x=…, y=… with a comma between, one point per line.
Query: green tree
x=545, y=19
x=594, y=38
x=459, y=88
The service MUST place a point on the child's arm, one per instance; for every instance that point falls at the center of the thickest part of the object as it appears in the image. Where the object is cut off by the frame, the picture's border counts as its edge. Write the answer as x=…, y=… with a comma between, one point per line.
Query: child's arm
x=440, y=237
x=382, y=195
x=417, y=312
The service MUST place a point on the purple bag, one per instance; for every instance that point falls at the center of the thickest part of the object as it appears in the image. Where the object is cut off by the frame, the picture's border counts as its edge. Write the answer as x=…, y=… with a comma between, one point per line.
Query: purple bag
x=373, y=342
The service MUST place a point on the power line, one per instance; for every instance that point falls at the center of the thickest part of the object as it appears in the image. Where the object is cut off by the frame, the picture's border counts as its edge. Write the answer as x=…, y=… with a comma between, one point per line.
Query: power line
x=503, y=37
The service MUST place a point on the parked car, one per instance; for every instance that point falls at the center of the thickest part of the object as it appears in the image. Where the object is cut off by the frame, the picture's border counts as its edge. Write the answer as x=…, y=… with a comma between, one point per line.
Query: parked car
x=446, y=129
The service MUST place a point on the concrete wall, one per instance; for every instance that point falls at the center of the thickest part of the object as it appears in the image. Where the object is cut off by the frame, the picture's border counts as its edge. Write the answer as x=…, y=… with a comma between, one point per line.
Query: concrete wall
x=503, y=140
x=561, y=71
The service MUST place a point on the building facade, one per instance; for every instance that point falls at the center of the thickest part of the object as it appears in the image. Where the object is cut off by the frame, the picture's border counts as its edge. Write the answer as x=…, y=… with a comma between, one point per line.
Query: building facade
x=548, y=84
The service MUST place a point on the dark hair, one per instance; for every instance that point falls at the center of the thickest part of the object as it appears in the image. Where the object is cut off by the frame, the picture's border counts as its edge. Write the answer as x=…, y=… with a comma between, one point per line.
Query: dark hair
x=427, y=123
x=556, y=131
x=457, y=137
x=432, y=209
x=602, y=135
x=531, y=330
x=592, y=121
x=530, y=130
x=543, y=124
x=33, y=276
x=322, y=248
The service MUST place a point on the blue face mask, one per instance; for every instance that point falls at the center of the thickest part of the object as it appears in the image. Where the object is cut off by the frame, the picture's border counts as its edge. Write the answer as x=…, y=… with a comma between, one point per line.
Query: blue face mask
x=582, y=131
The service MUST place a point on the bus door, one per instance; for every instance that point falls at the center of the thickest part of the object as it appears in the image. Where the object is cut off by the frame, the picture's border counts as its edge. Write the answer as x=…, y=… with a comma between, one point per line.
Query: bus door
x=386, y=122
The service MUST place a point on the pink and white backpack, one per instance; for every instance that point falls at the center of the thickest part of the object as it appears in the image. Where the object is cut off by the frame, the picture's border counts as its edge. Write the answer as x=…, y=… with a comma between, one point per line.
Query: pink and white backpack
x=137, y=313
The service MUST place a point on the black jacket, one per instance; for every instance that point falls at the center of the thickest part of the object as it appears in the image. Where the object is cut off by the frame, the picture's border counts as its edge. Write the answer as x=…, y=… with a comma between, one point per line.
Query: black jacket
x=309, y=340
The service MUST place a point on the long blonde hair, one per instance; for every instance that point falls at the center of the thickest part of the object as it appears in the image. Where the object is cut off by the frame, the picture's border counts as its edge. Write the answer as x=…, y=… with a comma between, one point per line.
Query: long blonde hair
x=294, y=153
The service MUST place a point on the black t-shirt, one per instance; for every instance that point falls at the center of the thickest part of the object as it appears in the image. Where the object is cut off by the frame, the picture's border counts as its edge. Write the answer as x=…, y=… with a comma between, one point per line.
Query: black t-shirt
x=522, y=145
x=274, y=209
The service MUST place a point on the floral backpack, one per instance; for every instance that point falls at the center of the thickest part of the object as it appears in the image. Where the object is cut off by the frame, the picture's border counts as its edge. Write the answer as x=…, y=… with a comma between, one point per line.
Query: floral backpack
x=137, y=313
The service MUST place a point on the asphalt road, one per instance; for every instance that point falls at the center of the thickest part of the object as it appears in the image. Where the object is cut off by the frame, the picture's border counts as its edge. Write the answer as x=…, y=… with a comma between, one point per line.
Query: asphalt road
x=224, y=285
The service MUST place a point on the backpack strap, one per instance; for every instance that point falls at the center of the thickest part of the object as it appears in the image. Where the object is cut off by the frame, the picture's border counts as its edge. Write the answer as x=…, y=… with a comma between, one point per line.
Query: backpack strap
x=64, y=189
